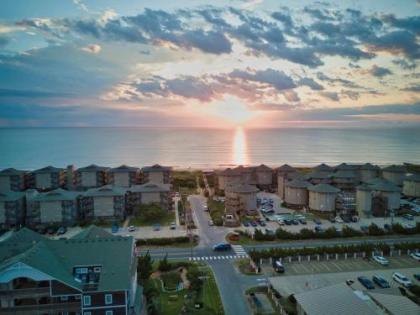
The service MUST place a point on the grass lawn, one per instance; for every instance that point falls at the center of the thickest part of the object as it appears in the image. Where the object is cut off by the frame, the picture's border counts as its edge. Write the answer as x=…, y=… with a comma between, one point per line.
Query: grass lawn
x=217, y=209
x=164, y=220
x=210, y=295
x=171, y=280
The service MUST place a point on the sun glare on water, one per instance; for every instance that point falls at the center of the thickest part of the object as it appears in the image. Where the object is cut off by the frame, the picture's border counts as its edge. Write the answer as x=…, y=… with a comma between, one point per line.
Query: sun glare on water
x=240, y=154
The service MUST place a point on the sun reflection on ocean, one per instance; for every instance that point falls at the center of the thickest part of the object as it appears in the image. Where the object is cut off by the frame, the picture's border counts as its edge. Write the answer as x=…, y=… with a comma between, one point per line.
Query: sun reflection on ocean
x=240, y=154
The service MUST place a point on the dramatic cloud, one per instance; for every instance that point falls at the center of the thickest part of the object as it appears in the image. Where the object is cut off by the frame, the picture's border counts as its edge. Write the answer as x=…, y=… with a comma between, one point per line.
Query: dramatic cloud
x=379, y=71
x=333, y=96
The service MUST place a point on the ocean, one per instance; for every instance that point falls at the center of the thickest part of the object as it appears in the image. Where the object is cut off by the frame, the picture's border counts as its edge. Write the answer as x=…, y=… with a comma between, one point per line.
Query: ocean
x=31, y=148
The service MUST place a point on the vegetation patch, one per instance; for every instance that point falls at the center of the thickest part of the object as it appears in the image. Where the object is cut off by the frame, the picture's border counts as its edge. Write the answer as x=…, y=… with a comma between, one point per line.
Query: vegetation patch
x=152, y=213
x=217, y=210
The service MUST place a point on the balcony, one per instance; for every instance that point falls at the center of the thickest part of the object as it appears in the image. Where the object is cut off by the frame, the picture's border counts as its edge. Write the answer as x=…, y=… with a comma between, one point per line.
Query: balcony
x=41, y=309
x=23, y=293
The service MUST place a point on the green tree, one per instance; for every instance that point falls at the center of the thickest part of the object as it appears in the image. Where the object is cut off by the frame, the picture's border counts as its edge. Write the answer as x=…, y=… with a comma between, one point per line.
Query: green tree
x=150, y=213
x=144, y=266
x=164, y=264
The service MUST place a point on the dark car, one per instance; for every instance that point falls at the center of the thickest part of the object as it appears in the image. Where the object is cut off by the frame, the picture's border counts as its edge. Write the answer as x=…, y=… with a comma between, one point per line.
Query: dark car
x=319, y=229
x=253, y=223
x=366, y=282
x=51, y=230
x=332, y=220
x=317, y=221
x=417, y=276
x=364, y=228
x=387, y=227
x=61, y=230
x=381, y=282
x=42, y=230
x=295, y=222
x=245, y=223
x=222, y=247
x=287, y=221
x=302, y=221
x=278, y=266
x=346, y=219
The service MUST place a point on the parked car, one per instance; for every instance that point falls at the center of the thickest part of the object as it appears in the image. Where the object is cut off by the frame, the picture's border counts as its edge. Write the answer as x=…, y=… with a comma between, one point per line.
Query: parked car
x=245, y=223
x=387, y=227
x=295, y=222
x=131, y=228
x=417, y=276
x=278, y=266
x=317, y=221
x=211, y=223
x=51, y=230
x=253, y=223
x=42, y=230
x=222, y=247
x=332, y=220
x=261, y=222
x=349, y=282
x=355, y=218
x=302, y=221
x=61, y=230
x=319, y=229
x=381, y=260
x=415, y=255
x=172, y=226
x=234, y=236
x=380, y=281
x=269, y=232
x=114, y=228
x=364, y=228
x=346, y=219
x=156, y=227
x=408, y=216
x=366, y=282
x=339, y=220
x=401, y=279
x=287, y=221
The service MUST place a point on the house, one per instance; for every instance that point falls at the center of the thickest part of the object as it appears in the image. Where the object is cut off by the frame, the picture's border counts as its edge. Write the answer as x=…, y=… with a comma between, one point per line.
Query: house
x=264, y=176
x=296, y=193
x=57, y=206
x=91, y=273
x=285, y=173
x=241, y=199
x=104, y=203
x=368, y=171
x=12, y=179
x=395, y=174
x=124, y=176
x=149, y=193
x=322, y=197
x=48, y=178
x=345, y=179
x=91, y=176
x=12, y=209
x=156, y=174
x=334, y=300
x=227, y=178
x=411, y=186
x=319, y=177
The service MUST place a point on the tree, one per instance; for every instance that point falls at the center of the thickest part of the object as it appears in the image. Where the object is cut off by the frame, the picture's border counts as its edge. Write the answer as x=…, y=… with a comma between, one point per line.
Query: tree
x=164, y=264
x=144, y=266
x=150, y=212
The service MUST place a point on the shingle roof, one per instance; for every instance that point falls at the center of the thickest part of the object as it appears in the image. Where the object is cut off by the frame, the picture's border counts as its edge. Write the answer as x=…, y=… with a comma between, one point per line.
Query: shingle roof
x=413, y=178
x=48, y=169
x=298, y=183
x=346, y=167
x=323, y=188
x=11, y=195
x=317, y=175
x=364, y=187
x=263, y=168
x=58, y=194
x=156, y=168
x=344, y=174
x=386, y=187
x=149, y=187
x=323, y=168
x=285, y=168
x=333, y=300
x=396, y=304
x=107, y=190
x=57, y=258
x=92, y=232
x=395, y=169
x=92, y=168
x=11, y=171
x=244, y=188
x=124, y=169
x=368, y=166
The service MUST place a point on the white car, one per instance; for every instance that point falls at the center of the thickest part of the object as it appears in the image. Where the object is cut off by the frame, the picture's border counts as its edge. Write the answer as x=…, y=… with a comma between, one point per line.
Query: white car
x=131, y=228
x=415, y=255
x=339, y=220
x=381, y=260
x=211, y=223
x=401, y=279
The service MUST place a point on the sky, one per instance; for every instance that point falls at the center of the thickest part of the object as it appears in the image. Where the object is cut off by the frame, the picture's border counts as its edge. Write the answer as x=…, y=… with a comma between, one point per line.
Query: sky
x=256, y=63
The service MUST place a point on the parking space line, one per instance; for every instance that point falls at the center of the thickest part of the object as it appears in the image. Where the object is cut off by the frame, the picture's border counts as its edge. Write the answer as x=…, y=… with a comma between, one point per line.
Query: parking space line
x=337, y=266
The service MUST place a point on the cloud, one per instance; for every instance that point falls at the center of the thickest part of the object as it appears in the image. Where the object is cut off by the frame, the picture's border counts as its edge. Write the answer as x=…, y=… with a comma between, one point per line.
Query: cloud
x=405, y=64
x=311, y=83
x=412, y=88
x=410, y=23
x=278, y=79
x=4, y=41
x=333, y=96
x=379, y=72
x=92, y=48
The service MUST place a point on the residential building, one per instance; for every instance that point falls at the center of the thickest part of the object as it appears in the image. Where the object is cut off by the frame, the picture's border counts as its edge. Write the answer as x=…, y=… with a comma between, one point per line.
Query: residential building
x=322, y=197
x=91, y=176
x=319, y=177
x=124, y=176
x=12, y=179
x=411, y=185
x=264, y=176
x=345, y=180
x=57, y=206
x=395, y=174
x=227, y=178
x=156, y=174
x=149, y=193
x=333, y=300
x=12, y=209
x=296, y=193
x=285, y=173
x=49, y=178
x=91, y=273
x=368, y=171
x=323, y=168
x=241, y=199
x=103, y=203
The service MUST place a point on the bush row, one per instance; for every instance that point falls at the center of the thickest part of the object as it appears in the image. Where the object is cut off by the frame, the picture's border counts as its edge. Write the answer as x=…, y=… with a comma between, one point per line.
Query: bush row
x=163, y=241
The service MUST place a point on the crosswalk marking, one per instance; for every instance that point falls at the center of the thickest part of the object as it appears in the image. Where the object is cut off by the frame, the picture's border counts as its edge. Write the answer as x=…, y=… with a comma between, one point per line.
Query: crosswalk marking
x=239, y=250
x=218, y=257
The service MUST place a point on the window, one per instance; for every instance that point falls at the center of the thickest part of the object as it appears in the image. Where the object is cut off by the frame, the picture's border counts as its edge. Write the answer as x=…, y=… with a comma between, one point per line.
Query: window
x=64, y=298
x=86, y=300
x=108, y=299
x=87, y=313
x=109, y=312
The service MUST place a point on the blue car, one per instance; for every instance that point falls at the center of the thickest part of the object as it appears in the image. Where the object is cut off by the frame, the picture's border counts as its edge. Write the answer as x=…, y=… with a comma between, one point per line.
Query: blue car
x=380, y=282
x=114, y=228
x=222, y=247
x=366, y=282
x=287, y=222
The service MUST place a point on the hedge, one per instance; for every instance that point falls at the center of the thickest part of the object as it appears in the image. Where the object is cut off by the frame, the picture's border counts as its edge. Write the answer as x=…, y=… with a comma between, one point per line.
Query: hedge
x=163, y=241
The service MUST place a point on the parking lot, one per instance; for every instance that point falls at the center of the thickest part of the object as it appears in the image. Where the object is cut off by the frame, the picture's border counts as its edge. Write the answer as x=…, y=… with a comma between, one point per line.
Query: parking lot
x=303, y=276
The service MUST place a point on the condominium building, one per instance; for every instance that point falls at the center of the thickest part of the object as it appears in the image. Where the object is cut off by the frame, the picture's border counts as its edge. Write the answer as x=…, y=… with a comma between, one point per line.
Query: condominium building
x=345, y=179
x=91, y=273
x=285, y=173
x=149, y=193
x=241, y=199
x=264, y=175
x=57, y=206
x=322, y=197
x=368, y=171
x=12, y=179
x=411, y=185
x=156, y=174
x=124, y=176
x=296, y=193
x=104, y=203
x=395, y=174
x=48, y=178
x=12, y=209
x=91, y=176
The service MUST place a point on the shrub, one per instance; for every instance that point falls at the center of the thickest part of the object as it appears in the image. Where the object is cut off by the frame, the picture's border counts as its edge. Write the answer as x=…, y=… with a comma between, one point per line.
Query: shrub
x=150, y=213
x=350, y=232
x=163, y=241
x=375, y=230
x=286, y=235
x=164, y=264
x=260, y=236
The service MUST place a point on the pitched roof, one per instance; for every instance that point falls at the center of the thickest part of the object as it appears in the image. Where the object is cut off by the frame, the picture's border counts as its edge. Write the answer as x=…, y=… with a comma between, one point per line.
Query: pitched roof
x=263, y=168
x=396, y=304
x=92, y=168
x=364, y=187
x=324, y=188
x=58, y=258
x=317, y=175
x=333, y=300
x=413, y=178
x=368, y=166
x=323, y=168
x=298, y=183
x=58, y=194
x=286, y=168
x=344, y=174
x=92, y=232
x=346, y=167
x=386, y=187
x=149, y=187
x=124, y=169
x=244, y=188
x=48, y=169
x=11, y=195
x=395, y=169
x=11, y=171
x=107, y=190
x=156, y=168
